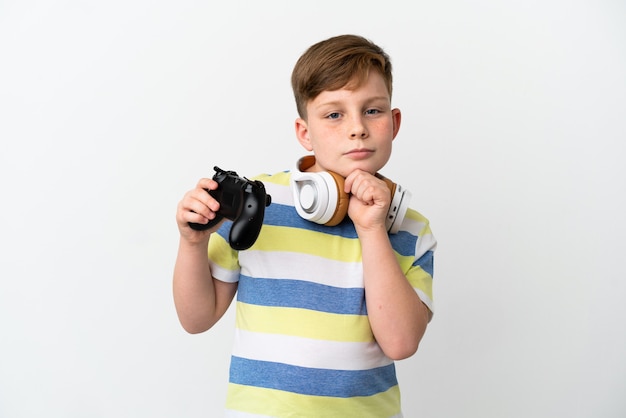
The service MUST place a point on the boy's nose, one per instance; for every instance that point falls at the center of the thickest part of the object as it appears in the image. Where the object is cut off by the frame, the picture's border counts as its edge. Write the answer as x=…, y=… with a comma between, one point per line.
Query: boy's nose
x=358, y=130
x=363, y=134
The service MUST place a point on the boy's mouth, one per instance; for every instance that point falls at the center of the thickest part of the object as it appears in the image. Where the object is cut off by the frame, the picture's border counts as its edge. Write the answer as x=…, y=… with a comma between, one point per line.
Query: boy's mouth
x=359, y=153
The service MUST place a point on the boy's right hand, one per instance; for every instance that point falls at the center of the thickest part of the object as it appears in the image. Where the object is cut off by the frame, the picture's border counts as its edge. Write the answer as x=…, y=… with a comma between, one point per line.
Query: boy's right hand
x=197, y=206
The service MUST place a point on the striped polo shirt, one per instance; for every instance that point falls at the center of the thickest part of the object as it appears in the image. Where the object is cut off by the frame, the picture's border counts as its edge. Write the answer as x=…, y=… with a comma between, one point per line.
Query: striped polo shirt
x=303, y=343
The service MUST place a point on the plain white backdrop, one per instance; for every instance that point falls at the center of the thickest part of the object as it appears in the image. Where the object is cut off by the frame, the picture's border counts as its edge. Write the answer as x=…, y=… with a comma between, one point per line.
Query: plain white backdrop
x=512, y=143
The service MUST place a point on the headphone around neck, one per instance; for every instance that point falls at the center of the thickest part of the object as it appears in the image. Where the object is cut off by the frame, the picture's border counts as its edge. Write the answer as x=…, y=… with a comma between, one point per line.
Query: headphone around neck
x=319, y=196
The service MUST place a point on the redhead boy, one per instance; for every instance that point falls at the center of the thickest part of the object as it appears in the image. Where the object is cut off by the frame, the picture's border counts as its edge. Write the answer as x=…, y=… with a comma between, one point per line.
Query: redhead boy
x=322, y=311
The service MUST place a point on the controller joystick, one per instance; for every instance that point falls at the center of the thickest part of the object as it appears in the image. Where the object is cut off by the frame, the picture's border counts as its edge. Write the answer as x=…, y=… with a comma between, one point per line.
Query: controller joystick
x=242, y=201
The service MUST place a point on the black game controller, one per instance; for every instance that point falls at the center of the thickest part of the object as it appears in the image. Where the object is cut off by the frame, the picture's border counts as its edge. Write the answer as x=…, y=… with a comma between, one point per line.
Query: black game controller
x=242, y=201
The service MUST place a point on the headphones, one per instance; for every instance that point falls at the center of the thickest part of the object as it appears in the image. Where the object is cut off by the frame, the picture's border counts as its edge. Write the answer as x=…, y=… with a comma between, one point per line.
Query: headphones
x=320, y=197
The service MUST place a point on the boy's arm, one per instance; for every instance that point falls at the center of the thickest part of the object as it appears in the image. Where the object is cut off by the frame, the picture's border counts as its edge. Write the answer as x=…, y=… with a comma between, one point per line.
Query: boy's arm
x=396, y=313
x=200, y=299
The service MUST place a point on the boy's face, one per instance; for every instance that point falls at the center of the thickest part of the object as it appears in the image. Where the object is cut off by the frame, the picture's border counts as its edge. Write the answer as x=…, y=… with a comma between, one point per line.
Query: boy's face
x=350, y=129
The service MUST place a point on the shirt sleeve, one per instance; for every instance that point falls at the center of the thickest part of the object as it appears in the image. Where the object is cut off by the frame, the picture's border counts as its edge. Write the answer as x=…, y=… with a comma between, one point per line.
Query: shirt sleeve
x=419, y=267
x=223, y=260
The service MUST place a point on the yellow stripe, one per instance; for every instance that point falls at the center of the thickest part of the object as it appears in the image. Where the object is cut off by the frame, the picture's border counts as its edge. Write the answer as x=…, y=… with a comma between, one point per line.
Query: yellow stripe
x=420, y=279
x=303, y=323
x=416, y=216
x=222, y=254
x=280, y=238
x=417, y=276
x=281, y=178
x=276, y=403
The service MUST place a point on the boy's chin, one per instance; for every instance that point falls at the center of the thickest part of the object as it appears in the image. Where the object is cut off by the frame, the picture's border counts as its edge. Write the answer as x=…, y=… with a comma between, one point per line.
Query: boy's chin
x=371, y=167
x=346, y=172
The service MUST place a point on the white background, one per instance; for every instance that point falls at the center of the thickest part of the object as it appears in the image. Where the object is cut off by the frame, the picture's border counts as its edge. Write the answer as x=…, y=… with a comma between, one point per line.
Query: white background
x=512, y=142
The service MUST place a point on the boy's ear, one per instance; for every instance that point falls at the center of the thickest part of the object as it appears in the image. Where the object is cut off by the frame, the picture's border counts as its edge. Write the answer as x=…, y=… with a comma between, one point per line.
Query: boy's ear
x=397, y=118
x=302, y=132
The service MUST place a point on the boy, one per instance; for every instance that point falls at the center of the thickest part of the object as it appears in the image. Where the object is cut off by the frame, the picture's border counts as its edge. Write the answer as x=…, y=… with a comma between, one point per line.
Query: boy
x=322, y=311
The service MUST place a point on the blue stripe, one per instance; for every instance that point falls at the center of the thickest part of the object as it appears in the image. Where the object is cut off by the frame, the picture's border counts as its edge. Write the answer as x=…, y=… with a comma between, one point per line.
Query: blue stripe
x=310, y=381
x=301, y=294
x=284, y=215
x=426, y=262
x=403, y=243
x=224, y=229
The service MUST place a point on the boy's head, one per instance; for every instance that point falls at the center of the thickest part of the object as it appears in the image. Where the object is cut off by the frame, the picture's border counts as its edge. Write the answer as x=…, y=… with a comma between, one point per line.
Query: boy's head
x=335, y=63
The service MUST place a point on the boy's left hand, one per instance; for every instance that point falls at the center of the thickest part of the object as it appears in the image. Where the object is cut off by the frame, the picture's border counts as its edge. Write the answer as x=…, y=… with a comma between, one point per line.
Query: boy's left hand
x=369, y=200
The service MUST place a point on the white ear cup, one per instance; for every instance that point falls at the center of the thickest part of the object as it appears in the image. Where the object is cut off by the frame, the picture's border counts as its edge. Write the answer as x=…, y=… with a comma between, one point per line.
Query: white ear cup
x=315, y=195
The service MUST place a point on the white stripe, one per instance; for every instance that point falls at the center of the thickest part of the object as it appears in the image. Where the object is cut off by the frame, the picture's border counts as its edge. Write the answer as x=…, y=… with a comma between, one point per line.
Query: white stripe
x=279, y=265
x=425, y=243
x=412, y=226
x=229, y=413
x=305, y=352
x=223, y=274
x=237, y=414
x=280, y=194
x=424, y=298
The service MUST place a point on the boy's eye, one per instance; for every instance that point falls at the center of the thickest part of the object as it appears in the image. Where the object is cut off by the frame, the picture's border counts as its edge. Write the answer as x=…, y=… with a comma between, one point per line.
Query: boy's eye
x=334, y=115
x=371, y=111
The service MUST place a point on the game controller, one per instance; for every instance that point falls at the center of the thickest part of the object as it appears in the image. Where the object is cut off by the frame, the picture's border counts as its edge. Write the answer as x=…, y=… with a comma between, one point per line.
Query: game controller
x=242, y=201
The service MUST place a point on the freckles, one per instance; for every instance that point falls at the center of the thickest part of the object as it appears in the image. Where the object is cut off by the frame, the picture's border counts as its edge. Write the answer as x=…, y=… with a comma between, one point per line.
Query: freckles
x=383, y=124
x=327, y=134
x=382, y=128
